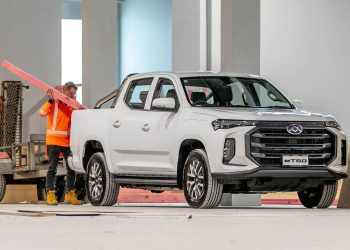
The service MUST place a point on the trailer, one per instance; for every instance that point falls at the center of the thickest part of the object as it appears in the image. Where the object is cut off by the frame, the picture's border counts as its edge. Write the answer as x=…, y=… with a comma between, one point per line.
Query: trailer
x=25, y=163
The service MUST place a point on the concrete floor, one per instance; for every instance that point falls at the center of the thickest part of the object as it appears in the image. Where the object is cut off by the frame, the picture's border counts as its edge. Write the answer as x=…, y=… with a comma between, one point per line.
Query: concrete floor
x=169, y=226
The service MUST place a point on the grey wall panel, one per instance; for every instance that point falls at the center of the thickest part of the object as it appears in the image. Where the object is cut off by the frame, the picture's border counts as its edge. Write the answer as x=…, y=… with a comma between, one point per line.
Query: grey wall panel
x=186, y=35
x=305, y=49
x=30, y=37
x=100, y=23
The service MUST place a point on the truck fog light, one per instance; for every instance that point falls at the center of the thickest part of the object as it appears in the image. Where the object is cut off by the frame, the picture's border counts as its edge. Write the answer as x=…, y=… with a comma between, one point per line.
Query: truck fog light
x=343, y=152
x=229, y=150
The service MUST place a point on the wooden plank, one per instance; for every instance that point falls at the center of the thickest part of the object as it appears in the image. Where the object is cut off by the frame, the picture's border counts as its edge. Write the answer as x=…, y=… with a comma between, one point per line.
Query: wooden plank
x=41, y=85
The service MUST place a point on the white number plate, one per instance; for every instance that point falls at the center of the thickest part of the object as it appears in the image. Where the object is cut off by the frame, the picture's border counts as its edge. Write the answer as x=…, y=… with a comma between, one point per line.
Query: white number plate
x=295, y=160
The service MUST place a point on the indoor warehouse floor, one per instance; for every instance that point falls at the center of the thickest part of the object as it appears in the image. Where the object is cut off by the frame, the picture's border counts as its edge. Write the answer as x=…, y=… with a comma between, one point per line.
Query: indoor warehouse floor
x=172, y=226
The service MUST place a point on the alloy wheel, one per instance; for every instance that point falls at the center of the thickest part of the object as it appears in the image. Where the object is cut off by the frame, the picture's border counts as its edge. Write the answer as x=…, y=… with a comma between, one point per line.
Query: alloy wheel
x=195, y=180
x=95, y=181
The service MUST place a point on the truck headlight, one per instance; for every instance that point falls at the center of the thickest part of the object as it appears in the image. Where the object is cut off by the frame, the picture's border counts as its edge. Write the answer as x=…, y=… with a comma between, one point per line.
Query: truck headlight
x=227, y=124
x=229, y=150
x=332, y=124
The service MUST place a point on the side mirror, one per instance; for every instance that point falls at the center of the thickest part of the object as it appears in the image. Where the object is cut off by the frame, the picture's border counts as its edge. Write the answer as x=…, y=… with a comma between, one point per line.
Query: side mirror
x=164, y=104
x=298, y=104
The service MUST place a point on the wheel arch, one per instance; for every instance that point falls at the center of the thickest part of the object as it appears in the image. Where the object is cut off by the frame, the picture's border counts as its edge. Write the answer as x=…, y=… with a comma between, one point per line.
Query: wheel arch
x=186, y=147
x=91, y=147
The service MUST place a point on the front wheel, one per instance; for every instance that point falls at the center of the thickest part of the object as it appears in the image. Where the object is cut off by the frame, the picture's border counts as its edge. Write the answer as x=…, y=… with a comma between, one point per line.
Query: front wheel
x=200, y=189
x=100, y=187
x=320, y=197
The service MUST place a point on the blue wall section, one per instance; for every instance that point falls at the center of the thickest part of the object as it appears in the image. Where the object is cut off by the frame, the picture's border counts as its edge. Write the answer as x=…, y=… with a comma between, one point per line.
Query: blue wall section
x=71, y=9
x=145, y=36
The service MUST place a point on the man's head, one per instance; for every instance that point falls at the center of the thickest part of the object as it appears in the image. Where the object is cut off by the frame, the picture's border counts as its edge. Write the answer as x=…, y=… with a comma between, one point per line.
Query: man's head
x=70, y=89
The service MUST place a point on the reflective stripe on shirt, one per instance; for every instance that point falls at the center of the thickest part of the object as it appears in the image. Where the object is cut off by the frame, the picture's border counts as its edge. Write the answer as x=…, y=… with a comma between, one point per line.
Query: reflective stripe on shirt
x=57, y=132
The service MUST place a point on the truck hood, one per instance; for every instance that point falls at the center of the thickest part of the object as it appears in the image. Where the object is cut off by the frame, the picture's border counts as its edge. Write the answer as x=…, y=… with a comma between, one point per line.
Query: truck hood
x=262, y=114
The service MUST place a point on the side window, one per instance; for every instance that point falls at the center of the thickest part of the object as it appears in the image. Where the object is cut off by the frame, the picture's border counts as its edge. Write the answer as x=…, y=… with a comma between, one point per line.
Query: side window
x=138, y=92
x=165, y=89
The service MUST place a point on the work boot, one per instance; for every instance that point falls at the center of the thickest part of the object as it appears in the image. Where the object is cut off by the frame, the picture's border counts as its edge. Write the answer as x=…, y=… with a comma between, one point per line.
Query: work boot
x=51, y=197
x=71, y=198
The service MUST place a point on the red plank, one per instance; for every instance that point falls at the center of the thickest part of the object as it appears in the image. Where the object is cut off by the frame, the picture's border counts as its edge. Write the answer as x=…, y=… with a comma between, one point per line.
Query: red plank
x=41, y=85
x=128, y=195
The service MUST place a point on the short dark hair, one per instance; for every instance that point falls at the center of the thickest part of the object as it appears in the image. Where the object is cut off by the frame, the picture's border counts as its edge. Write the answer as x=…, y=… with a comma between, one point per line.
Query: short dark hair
x=69, y=85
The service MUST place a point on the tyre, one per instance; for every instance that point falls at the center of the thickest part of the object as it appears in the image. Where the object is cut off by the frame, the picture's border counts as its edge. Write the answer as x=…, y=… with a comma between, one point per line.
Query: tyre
x=100, y=187
x=2, y=186
x=200, y=189
x=320, y=197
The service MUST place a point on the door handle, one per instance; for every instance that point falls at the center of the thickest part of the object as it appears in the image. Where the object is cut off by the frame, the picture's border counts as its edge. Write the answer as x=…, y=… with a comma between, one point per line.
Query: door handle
x=146, y=127
x=116, y=124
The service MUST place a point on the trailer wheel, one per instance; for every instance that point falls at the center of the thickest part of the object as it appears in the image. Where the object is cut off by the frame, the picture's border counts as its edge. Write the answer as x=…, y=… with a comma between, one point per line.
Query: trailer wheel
x=2, y=186
x=100, y=187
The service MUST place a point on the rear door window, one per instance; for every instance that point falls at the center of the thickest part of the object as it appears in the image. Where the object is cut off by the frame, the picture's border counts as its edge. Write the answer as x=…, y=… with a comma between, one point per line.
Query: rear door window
x=138, y=93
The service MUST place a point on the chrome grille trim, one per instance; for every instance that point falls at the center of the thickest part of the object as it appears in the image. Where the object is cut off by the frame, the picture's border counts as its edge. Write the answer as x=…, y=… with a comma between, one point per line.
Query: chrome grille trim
x=269, y=141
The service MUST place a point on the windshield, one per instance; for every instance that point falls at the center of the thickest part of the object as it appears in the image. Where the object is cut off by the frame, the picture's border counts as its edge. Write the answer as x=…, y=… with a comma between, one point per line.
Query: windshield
x=233, y=92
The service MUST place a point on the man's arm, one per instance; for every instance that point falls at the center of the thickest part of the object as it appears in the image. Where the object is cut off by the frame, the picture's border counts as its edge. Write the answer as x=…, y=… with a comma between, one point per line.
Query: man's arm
x=45, y=109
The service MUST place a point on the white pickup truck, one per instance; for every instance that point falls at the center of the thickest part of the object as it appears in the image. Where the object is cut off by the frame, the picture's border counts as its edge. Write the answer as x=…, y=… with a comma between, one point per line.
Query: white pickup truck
x=207, y=134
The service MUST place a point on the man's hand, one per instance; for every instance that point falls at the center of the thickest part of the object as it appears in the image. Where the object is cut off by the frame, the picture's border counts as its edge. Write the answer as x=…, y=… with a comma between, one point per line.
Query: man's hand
x=50, y=95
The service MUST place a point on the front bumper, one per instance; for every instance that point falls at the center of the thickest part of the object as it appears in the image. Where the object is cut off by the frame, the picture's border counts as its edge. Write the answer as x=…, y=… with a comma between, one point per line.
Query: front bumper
x=243, y=166
x=292, y=173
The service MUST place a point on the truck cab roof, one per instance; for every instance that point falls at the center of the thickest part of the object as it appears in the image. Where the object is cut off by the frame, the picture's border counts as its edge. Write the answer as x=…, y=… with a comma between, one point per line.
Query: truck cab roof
x=194, y=74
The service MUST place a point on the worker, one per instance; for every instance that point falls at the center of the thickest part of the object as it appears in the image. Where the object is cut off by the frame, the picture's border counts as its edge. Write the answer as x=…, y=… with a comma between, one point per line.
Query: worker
x=57, y=141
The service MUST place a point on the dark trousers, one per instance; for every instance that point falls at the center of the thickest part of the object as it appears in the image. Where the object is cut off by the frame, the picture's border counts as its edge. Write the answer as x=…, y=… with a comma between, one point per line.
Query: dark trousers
x=54, y=154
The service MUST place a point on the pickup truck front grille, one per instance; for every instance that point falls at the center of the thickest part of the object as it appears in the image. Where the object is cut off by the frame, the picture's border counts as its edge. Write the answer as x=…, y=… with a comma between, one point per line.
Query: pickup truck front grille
x=270, y=141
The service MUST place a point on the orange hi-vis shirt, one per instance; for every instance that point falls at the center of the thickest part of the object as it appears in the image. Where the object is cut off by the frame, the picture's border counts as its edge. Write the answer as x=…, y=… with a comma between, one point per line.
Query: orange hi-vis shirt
x=58, y=123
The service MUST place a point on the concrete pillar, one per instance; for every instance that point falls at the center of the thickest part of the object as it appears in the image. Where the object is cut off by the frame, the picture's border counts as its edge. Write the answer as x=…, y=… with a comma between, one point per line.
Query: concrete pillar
x=218, y=35
x=99, y=49
x=235, y=36
x=234, y=46
x=30, y=37
x=189, y=35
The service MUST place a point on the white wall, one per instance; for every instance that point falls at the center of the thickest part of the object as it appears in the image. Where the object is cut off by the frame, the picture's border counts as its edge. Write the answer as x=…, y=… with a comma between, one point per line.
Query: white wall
x=30, y=37
x=305, y=49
